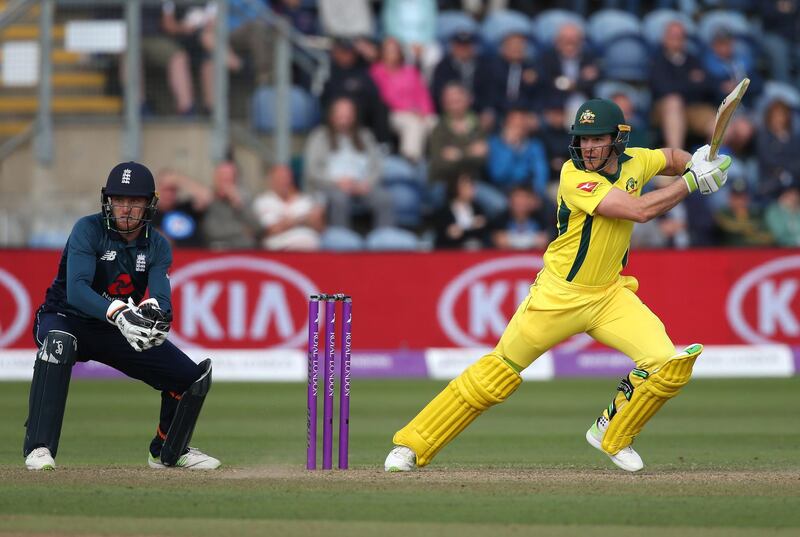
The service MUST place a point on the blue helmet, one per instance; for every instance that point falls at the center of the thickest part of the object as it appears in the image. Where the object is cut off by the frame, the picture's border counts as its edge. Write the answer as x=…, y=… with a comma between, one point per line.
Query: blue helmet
x=133, y=180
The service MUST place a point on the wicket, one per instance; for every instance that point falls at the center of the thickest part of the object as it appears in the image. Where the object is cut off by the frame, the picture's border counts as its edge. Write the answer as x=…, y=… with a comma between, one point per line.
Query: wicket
x=328, y=379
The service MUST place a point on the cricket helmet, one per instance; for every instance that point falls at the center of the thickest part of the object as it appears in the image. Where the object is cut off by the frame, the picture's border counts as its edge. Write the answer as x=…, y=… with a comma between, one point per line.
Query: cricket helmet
x=594, y=117
x=130, y=179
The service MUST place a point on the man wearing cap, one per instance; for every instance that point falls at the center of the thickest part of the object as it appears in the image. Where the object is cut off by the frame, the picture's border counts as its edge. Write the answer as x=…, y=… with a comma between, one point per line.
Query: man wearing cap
x=96, y=309
x=461, y=64
x=581, y=290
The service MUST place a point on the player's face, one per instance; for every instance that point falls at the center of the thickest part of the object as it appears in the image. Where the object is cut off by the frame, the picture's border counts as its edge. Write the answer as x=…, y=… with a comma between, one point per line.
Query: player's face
x=595, y=150
x=128, y=211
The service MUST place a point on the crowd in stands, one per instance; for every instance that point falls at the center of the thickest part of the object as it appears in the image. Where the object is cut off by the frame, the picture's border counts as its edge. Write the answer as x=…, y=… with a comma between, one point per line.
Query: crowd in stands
x=444, y=124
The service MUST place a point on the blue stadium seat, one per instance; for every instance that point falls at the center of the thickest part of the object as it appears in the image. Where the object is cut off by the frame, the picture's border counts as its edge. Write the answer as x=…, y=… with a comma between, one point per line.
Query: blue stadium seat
x=655, y=22
x=392, y=239
x=607, y=88
x=609, y=24
x=548, y=23
x=303, y=115
x=501, y=23
x=774, y=90
x=341, y=239
x=627, y=59
x=732, y=21
x=405, y=183
x=451, y=22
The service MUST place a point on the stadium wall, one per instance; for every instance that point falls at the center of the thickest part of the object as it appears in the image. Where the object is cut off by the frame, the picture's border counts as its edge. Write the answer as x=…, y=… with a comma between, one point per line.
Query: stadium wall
x=430, y=314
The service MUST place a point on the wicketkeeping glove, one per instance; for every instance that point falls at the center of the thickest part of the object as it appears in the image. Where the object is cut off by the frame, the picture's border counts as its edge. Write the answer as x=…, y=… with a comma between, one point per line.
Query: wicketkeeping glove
x=149, y=309
x=135, y=327
x=708, y=177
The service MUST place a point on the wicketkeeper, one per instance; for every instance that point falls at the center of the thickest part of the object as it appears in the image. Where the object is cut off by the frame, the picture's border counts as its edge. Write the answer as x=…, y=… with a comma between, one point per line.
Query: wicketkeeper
x=581, y=289
x=96, y=309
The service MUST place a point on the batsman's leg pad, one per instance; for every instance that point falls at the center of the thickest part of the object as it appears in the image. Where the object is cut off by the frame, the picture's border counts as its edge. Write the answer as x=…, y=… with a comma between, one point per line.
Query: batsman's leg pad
x=182, y=427
x=485, y=383
x=663, y=384
x=48, y=398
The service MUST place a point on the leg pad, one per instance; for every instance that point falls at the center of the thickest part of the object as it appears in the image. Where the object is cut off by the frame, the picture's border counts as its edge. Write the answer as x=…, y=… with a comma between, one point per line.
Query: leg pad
x=48, y=398
x=648, y=398
x=182, y=427
x=485, y=383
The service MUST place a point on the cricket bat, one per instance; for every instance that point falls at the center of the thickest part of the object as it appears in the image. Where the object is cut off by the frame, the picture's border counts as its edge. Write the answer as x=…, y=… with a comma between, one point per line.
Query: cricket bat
x=724, y=114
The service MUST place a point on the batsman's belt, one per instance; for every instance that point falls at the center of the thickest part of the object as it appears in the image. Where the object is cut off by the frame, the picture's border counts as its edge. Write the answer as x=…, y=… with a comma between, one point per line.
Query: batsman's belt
x=485, y=383
x=662, y=385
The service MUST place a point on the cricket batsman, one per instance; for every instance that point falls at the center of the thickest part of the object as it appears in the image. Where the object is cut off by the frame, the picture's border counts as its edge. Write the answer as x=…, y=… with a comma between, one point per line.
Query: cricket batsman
x=581, y=289
x=96, y=309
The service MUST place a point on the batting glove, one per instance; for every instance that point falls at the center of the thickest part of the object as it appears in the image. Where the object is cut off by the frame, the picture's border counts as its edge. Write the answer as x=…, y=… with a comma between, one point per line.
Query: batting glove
x=705, y=176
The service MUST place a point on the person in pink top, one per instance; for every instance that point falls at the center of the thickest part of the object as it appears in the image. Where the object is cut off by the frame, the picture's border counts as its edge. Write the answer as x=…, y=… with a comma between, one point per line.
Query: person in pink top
x=402, y=88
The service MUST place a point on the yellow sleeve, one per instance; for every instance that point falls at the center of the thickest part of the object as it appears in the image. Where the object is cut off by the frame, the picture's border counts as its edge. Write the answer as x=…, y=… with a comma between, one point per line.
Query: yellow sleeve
x=652, y=161
x=581, y=189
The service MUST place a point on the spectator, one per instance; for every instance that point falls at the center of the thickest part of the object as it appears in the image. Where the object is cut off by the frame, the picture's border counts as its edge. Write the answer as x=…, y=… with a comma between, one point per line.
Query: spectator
x=524, y=225
x=727, y=65
x=413, y=24
x=302, y=16
x=168, y=44
x=555, y=137
x=460, y=223
x=342, y=160
x=682, y=91
x=249, y=34
x=515, y=158
x=228, y=223
x=182, y=204
x=458, y=145
x=350, y=78
x=403, y=90
x=777, y=148
x=512, y=81
x=780, y=26
x=571, y=68
x=741, y=223
x=461, y=64
x=346, y=18
x=290, y=220
x=639, y=136
x=783, y=216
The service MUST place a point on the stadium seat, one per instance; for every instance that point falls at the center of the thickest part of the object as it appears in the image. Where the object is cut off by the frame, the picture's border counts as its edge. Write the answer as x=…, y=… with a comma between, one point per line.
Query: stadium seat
x=655, y=22
x=501, y=23
x=774, y=90
x=451, y=22
x=607, y=88
x=733, y=22
x=303, y=115
x=392, y=239
x=609, y=24
x=405, y=183
x=341, y=239
x=627, y=59
x=549, y=22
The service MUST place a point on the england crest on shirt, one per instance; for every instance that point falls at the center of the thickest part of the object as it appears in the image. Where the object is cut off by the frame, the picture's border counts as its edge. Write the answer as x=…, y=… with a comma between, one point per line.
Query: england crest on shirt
x=140, y=262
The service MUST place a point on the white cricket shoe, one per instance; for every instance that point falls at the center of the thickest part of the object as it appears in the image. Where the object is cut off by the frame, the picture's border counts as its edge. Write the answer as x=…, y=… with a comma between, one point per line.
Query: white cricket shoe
x=40, y=459
x=194, y=459
x=627, y=458
x=400, y=459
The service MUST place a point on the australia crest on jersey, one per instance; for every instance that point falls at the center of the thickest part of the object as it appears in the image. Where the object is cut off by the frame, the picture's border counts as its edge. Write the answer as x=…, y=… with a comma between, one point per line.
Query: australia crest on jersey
x=140, y=262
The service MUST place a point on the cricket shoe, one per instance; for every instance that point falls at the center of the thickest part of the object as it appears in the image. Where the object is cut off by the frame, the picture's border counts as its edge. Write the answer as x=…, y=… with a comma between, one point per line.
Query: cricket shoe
x=626, y=458
x=40, y=459
x=193, y=459
x=400, y=459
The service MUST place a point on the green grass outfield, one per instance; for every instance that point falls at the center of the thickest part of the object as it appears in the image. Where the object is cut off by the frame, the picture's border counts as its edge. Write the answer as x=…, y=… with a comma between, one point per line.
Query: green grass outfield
x=723, y=459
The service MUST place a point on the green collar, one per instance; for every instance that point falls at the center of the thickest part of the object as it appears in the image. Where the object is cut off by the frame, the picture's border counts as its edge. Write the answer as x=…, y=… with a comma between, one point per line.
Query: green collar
x=612, y=178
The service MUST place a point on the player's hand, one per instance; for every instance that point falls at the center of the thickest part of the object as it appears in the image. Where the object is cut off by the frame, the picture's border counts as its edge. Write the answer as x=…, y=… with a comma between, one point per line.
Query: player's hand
x=149, y=309
x=131, y=324
x=704, y=175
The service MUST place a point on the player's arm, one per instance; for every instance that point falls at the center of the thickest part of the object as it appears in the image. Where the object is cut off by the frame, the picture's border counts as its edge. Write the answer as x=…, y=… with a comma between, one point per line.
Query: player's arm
x=619, y=204
x=81, y=262
x=676, y=161
x=157, y=280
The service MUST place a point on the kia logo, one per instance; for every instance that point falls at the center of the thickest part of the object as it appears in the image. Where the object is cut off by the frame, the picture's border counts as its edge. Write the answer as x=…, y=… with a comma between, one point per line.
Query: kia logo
x=476, y=306
x=22, y=308
x=239, y=301
x=767, y=295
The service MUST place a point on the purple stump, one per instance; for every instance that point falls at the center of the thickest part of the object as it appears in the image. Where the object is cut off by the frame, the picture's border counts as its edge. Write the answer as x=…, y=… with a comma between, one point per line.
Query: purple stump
x=313, y=373
x=329, y=379
x=344, y=381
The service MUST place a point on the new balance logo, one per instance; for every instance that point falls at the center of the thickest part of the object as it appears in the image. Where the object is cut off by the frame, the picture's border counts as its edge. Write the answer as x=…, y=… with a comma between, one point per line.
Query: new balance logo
x=126, y=176
x=110, y=255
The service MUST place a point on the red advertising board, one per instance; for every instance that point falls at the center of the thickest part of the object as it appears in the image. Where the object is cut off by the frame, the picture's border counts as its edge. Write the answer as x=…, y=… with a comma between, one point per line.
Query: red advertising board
x=253, y=300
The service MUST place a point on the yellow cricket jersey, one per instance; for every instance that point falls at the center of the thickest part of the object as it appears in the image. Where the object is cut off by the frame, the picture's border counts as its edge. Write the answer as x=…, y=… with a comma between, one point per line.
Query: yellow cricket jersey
x=591, y=249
